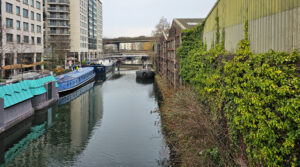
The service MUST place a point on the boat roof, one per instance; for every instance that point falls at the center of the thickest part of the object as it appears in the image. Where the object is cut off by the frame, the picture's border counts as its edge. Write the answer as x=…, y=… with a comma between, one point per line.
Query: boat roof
x=74, y=74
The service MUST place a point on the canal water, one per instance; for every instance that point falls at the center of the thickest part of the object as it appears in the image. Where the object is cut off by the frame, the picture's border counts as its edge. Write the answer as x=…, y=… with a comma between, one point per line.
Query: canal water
x=109, y=124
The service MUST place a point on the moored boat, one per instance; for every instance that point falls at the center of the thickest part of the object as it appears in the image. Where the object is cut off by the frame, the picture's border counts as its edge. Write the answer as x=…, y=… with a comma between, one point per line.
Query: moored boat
x=145, y=73
x=98, y=68
x=75, y=79
x=108, y=64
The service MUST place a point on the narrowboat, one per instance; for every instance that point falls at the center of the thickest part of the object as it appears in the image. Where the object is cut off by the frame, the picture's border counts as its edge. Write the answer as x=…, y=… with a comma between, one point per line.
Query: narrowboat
x=75, y=94
x=75, y=79
x=102, y=67
x=98, y=68
x=145, y=73
x=108, y=64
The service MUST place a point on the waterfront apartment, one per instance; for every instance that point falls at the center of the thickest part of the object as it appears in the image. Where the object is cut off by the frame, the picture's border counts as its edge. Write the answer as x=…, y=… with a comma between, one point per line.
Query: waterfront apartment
x=74, y=29
x=21, y=36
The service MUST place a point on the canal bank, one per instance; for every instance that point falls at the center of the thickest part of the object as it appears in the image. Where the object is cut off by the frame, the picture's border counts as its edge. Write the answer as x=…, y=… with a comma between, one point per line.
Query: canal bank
x=192, y=133
x=107, y=124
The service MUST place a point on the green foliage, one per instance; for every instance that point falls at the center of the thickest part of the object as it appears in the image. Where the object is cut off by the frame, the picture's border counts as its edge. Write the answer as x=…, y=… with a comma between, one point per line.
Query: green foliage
x=214, y=155
x=259, y=94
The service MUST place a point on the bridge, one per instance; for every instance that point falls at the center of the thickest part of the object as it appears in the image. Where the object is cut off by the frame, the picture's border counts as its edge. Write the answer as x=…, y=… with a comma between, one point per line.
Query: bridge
x=127, y=40
x=126, y=46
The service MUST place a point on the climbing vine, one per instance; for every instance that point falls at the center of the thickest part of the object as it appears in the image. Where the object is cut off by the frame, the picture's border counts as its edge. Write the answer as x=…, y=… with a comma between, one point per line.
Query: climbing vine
x=259, y=94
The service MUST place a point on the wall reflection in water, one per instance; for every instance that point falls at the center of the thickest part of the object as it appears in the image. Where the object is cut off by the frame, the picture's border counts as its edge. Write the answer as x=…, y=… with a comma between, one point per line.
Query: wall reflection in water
x=62, y=131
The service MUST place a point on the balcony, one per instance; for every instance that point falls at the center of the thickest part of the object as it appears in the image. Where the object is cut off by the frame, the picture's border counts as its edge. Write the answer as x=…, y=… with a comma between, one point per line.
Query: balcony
x=58, y=33
x=58, y=2
x=59, y=25
x=57, y=9
x=58, y=17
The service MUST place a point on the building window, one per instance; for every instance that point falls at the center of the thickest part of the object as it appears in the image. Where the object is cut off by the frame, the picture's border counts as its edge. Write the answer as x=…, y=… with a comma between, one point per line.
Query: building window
x=38, y=40
x=18, y=12
x=26, y=39
x=9, y=8
x=18, y=39
x=38, y=17
x=32, y=40
x=32, y=27
x=18, y=25
x=25, y=13
x=9, y=37
x=38, y=5
x=25, y=1
x=9, y=23
x=25, y=26
x=32, y=15
x=32, y=3
x=38, y=29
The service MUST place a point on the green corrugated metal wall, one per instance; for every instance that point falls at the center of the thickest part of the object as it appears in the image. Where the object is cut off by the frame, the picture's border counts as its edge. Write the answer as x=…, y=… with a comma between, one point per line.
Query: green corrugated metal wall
x=279, y=18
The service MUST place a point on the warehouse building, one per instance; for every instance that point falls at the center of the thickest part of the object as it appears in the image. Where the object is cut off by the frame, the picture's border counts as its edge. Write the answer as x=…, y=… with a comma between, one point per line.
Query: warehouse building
x=273, y=24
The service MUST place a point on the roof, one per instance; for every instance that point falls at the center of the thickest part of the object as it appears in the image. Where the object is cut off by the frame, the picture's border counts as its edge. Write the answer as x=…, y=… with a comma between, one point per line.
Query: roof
x=188, y=23
x=74, y=74
x=24, y=90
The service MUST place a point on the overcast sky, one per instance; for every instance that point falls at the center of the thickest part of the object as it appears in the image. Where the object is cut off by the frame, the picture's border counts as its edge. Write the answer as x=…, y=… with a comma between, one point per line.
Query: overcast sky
x=139, y=17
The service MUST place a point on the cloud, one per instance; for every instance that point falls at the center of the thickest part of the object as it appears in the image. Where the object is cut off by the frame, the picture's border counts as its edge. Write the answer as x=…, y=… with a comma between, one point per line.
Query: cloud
x=115, y=32
x=139, y=17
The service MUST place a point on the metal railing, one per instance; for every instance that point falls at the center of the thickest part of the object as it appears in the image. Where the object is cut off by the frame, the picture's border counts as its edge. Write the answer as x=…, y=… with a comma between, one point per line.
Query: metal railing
x=58, y=17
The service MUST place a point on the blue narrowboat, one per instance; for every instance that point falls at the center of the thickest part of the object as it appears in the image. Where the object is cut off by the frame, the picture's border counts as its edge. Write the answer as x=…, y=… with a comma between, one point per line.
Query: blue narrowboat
x=75, y=79
x=98, y=68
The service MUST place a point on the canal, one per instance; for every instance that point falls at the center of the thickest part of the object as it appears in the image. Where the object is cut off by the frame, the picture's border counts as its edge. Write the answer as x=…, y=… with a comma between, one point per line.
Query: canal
x=111, y=123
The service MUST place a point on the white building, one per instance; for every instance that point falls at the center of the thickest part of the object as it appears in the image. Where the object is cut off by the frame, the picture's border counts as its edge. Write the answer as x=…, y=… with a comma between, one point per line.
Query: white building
x=126, y=46
x=21, y=34
x=84, y=26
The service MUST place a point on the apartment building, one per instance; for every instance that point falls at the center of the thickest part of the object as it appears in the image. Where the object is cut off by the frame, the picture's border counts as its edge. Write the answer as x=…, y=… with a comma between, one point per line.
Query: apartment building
x=99, y=28
x=57, y=28
x=76, y=22
x=21, y=35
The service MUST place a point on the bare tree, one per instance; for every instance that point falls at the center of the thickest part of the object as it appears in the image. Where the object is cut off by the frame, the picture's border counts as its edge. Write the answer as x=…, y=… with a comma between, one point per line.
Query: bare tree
x=163, y=26
x=59, y=48
x=6, y=49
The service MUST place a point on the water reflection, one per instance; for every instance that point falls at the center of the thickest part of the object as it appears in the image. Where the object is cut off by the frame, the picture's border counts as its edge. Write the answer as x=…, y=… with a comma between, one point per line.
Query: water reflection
x=76, y=132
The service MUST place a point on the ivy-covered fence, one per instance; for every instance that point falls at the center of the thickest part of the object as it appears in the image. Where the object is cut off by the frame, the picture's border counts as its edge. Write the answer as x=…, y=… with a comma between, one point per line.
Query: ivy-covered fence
x=257, y=94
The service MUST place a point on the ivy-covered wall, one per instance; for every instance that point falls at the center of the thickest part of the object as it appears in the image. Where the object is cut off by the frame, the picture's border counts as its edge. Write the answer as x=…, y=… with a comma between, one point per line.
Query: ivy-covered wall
x=256, y=95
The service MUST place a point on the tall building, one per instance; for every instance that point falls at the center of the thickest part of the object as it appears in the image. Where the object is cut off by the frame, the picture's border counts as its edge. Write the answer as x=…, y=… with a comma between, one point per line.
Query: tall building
x=79, y=29
x=99, y=28
x=78, y=22
x=21, y=35
x=57, y=27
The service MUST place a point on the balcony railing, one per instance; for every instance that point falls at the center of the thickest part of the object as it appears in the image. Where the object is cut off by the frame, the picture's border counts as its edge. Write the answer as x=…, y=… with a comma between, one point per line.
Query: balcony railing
x=59, y=17
x=67, y=2
x=58, y=25
x=58, y=33
x=57, y=9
